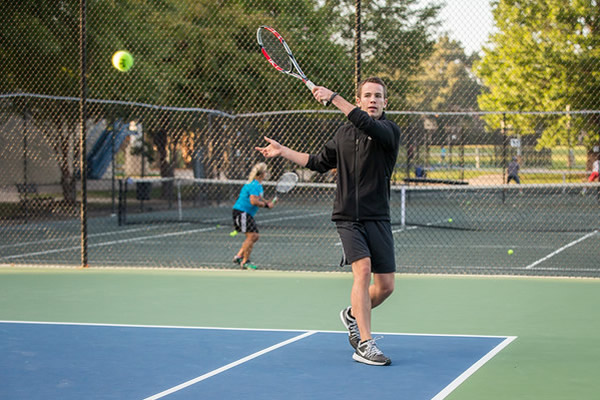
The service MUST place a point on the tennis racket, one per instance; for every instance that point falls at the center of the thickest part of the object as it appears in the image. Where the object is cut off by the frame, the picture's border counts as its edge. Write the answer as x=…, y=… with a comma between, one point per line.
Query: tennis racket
x=285, y=184
x=279, y=55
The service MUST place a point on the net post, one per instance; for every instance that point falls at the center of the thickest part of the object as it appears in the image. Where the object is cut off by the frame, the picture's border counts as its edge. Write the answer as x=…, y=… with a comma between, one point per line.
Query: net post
x=179, y=209
x=121, y=203
x=403, y=206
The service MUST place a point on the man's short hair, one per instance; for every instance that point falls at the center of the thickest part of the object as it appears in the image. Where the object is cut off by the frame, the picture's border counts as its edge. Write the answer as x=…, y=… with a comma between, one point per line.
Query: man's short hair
x=373, y=79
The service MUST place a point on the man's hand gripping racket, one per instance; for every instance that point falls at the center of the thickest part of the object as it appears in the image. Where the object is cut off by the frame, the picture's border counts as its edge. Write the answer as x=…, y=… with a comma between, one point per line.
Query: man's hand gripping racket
x=279, y=55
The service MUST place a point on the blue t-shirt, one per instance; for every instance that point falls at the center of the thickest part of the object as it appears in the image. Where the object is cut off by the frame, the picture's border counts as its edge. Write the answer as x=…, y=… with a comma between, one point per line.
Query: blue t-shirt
x=243, y=202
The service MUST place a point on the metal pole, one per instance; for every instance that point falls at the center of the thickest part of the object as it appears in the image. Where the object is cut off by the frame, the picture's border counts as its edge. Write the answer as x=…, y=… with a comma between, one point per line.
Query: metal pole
x=112, y=167
x=25, y=156
x=504, y=139
x=357, y=49
x=25, y=148
x=503, y=156
x=82, y=135
x=143, y=172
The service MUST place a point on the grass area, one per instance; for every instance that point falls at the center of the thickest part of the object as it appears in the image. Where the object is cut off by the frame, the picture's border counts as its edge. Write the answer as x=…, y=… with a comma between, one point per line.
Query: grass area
x=475, y=161
x=526, y=178
x=490, y=156
x=560, y=157
x=533, y=178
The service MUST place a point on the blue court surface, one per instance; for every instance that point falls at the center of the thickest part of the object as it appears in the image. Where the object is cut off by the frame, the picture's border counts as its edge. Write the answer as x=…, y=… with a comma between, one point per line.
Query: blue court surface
x=92, y=361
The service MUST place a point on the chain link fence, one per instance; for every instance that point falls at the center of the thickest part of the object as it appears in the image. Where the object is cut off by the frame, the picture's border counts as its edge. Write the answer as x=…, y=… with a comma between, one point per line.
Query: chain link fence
x=170, y=142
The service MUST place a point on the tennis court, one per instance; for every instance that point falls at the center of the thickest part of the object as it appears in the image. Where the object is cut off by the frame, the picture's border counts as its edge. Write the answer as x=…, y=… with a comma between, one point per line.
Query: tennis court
x=131, y=333
x=128, y=128
x=435, y=230
x=84, y=361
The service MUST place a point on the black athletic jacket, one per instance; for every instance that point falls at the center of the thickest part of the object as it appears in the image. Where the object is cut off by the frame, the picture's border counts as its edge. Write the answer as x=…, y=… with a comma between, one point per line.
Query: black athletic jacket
x=370, y=147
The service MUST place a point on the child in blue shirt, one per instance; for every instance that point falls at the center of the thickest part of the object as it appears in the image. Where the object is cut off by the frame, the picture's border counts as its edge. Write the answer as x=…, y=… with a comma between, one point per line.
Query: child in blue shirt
x=250, y=199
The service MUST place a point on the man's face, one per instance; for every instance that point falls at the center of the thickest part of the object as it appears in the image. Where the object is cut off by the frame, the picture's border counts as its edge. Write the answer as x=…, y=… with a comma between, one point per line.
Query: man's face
x=371, y=99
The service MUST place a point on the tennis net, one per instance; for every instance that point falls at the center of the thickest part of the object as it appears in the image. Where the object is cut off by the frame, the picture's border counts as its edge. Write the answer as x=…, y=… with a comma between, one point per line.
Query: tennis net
x=518, y=208
x=526, y=208
x=209, y=201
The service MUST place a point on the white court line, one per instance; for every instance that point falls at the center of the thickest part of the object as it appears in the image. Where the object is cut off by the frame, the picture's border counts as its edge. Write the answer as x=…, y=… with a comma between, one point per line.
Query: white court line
x=59, y=239
x=137, y=239
x=441, y=395
x=109, y=233
x=240, y=329
x=295, y=217
x=471, y=370
x=541, y=260
x=228, y=366
x=406, y=228
x=112, y=242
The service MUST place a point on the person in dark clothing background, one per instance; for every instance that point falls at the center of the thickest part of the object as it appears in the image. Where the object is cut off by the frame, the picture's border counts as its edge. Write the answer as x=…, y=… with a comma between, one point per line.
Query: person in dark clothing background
x=364, y=152
x=513, y=171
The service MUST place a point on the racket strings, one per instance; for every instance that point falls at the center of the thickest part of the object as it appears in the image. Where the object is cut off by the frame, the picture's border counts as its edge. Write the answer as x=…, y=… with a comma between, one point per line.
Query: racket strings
x=287, y=182
x=275, y=49
x=284, y=186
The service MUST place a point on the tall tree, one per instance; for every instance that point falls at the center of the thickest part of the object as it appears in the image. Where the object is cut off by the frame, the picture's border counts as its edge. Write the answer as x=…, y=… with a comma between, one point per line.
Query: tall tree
x=544, y=57
x=396, y=37
x=446, y=83
x=39, y=54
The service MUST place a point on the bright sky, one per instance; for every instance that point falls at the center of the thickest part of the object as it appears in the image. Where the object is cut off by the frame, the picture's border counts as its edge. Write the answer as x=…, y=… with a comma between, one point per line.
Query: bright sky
x=468, y=21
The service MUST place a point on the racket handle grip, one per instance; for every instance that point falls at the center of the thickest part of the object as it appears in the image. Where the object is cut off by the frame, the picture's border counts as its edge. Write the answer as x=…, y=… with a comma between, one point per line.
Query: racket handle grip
x=274, y=200
x=311, y=86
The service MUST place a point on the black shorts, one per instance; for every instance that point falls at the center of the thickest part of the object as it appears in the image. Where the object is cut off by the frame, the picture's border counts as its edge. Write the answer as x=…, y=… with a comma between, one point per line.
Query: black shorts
x=371, y=239
x=243, y=222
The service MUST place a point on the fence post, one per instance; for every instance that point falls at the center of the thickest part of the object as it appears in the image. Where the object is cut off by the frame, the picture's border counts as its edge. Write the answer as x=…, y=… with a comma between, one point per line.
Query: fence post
x=82, y=136
x=357, y=49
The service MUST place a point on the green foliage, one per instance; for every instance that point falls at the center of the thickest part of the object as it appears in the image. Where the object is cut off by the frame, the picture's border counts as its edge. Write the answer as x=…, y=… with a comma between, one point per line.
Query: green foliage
x=544, y=57
x=200, y=54
x=389, y=28
x=446, y=83
x=39, y=47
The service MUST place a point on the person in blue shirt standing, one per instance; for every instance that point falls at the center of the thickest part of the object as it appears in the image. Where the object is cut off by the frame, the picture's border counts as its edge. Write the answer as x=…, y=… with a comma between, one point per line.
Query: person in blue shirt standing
x=250, y=199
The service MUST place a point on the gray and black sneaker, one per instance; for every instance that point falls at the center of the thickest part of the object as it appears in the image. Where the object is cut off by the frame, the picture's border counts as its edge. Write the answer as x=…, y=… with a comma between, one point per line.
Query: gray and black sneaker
x=368, y=353
x=237, y=260
x=350, y=323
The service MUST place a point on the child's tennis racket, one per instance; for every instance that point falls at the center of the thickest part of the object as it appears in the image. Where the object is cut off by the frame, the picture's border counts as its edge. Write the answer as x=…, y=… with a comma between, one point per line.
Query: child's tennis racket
x=279, y=55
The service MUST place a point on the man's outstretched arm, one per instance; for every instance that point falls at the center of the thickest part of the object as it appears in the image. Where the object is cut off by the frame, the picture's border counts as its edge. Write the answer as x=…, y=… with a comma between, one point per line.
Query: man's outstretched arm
x=274, y=149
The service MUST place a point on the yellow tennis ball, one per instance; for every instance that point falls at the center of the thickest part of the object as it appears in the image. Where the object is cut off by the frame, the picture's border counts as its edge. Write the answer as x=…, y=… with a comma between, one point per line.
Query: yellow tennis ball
x=233, y=233
x=510, y=251
x=122, y=60
x=449, y=219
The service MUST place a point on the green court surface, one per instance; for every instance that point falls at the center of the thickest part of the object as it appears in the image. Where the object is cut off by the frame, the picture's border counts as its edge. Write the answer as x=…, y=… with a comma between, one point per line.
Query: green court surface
x=555, y=355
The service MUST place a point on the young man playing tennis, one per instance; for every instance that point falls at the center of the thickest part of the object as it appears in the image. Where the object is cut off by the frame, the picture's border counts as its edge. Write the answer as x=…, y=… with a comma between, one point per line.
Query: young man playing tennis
x=364, y=152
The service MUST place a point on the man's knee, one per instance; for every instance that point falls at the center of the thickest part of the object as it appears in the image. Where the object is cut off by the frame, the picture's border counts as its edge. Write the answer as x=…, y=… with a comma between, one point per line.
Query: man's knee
x=387, y=289
x=385, y=284
x=362, y=269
